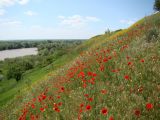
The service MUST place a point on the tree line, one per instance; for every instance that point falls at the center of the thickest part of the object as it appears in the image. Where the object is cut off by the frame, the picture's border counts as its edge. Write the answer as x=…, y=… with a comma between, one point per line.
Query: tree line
x=48, y=52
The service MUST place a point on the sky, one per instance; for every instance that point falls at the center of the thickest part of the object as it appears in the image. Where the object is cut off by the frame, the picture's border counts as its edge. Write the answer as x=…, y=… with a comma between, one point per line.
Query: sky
x=68, y=19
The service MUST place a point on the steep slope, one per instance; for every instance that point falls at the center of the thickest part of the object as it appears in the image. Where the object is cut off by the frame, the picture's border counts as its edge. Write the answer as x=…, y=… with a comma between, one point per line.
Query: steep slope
x=115, y=77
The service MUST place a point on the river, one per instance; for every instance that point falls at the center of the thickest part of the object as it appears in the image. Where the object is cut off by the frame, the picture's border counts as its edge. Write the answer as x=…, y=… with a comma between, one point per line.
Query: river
x=18, y=53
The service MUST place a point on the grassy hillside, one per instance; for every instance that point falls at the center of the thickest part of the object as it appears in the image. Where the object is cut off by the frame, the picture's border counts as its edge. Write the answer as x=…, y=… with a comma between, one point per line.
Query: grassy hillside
x=115, y=76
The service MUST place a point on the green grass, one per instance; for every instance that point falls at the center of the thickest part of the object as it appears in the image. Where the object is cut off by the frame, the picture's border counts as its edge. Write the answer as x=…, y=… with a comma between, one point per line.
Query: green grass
x=124, y=84
x=10, y=88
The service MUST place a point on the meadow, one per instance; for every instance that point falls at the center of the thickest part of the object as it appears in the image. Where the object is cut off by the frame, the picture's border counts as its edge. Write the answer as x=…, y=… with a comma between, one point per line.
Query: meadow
x=114, y=76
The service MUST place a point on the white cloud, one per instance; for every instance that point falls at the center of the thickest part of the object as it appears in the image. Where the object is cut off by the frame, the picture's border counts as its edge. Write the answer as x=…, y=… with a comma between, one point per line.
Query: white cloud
x=7, y=3
x=128, y=22
x=77, y=20
x=14, y=29
x=2, y=12
x=22, y=2
x=30, y=13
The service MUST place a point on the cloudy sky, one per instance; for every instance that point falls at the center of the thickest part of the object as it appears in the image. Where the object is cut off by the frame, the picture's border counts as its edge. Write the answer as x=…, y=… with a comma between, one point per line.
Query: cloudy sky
x=67, y=19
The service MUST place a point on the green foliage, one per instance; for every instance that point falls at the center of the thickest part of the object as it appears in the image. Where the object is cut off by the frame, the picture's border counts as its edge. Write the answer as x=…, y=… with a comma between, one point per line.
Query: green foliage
x=152, y=35
x=1, y=77
x=15, y=71
x=6, y=45
x=157, y=5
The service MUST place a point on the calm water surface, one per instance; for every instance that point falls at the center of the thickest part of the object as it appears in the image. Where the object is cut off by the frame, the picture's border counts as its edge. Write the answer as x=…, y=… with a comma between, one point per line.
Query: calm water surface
x=17, y=53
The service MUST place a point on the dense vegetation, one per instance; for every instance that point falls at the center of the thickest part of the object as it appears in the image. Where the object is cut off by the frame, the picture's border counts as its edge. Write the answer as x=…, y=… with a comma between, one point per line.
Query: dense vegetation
x=114, y=78
x=27, y=69
x=48, y=51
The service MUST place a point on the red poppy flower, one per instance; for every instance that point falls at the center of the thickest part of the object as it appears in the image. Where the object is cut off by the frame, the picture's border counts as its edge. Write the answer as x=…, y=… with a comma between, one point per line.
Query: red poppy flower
x=111, y=118
x=129, y=63
x=90, y=99
x=142, y=60
x=126, y=77
x=58, y=97
x=60, y=104
x=149, y=106
x=94, y=74
x=62, y=89
x=88, y=107
x=81, y=105
x=103, y=91
x=43, y=96
x=104, y=111
x=86, y=95
x=137, y=112
x=42, y=109
x=89, y=73
x=105, y=60
x=84, y=85
x=81, y=74
x=56, y=109
x=32, y=117
x=33, y=106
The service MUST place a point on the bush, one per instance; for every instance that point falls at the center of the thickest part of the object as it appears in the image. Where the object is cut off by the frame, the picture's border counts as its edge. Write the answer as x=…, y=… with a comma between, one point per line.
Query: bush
x=152, y=35
x=15, y=71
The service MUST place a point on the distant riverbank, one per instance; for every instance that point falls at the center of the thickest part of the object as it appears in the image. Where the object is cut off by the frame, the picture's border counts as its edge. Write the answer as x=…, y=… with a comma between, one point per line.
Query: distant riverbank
x=17, y=53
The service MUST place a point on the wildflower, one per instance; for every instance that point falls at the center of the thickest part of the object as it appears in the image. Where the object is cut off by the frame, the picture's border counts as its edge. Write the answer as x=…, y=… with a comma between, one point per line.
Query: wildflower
x=89, y=73
x=105, y=60
x=129, y=63
x=101, y=68
x=62, y=89
x=58, y=97
x=109, y=57
x=142, y=60
x=149, y=106
x=32, y=117
x=103, y=91
x=60, y=104
x=111, y=118
x=56, y=109
x=88, y=107
x=42, y=109
x=86, y=95
x=90, y=99
x=81, y=74
x=33, y=106
x=104, y=111
x=137, y=113
x=43, y=96
x=84, y=85
x=81, y=105
x=94, y=74
x=34, y=99
x=126, y=77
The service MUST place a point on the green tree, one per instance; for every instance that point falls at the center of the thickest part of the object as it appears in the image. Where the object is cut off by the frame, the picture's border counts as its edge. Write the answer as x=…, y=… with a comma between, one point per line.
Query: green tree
x=157, y=5
x=14, y=71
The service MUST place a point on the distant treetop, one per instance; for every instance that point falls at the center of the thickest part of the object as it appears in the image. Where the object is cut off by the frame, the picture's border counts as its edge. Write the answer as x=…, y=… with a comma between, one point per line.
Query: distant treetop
x=157, y=5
